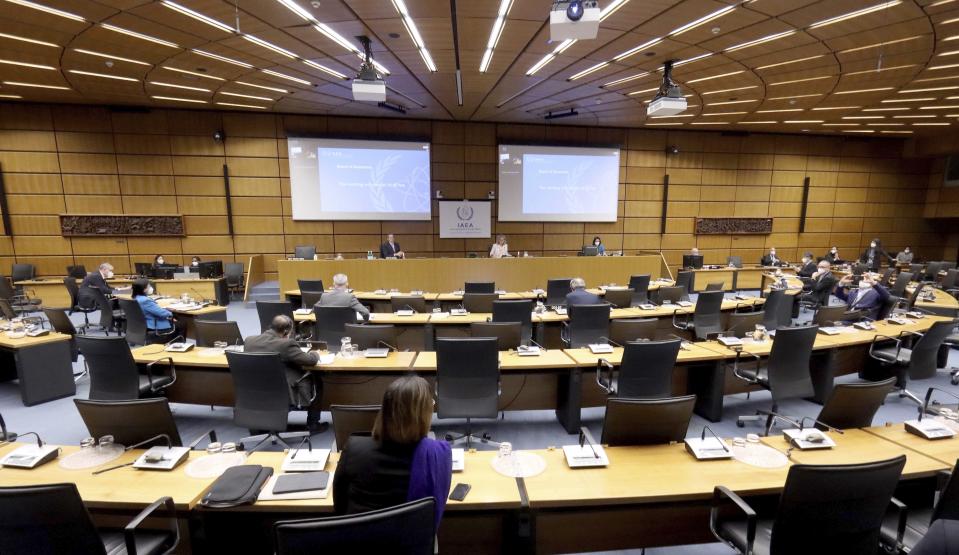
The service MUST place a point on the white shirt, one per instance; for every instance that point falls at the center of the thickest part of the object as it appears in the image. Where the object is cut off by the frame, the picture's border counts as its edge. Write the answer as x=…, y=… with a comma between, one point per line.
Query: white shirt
x=499, y=251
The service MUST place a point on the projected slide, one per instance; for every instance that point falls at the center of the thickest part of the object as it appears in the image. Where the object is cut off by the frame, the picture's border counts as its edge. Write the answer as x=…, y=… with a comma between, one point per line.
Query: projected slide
x=334, y=179
x=558, y=184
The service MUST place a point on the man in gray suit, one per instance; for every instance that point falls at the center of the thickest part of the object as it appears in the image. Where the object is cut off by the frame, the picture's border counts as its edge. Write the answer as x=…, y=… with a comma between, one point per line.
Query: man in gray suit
x=579, y=295
x=341, y=296
x=278, y=339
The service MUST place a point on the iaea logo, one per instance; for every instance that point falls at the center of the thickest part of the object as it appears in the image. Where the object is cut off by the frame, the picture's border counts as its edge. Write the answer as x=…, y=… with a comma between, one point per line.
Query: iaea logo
x=464, y=212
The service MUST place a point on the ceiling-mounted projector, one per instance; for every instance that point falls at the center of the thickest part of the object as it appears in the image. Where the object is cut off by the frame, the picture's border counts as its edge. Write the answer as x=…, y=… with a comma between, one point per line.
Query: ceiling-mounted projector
x=368, y=86
x=669, y=101
x=574, y=20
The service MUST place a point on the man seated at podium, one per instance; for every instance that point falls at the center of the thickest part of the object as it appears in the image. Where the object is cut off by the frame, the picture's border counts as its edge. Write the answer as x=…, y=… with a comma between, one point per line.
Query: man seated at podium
x=771, y=259
x=579, y=295
x=391, y=249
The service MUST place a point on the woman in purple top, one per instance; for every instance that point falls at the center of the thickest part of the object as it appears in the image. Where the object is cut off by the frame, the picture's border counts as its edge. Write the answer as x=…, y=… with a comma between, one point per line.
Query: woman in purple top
x=398, y=463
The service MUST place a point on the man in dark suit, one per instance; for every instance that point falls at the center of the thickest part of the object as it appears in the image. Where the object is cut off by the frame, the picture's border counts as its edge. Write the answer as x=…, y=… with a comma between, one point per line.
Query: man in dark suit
x=391, y=248
x=821, y=284
x=868, y=297
x=808, y=267
x=278, y=339
x=579, y=295
x=771, y=259
x=95, y=280
x=873, y=255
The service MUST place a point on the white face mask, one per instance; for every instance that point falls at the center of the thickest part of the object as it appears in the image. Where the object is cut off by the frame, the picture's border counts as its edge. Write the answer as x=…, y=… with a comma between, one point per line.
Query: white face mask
x=596, y=243
x=863, y=284
x=872, y=245
x=772, y=254
x=833, y=251
x=109, y=274
x=159, y=261
x=149, y=291
x=195, y=263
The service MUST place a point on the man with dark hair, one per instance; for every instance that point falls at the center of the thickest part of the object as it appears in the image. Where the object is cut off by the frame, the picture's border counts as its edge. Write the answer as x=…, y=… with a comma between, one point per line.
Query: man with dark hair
x=278, y=339
x=808, y=267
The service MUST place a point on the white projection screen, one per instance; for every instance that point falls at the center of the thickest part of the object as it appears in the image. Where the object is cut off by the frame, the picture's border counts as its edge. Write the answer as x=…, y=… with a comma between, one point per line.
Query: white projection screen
x=338, y=179
x=558, y=184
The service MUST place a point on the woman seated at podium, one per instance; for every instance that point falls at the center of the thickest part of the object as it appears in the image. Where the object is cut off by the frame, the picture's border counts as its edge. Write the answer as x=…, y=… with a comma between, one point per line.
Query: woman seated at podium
x=598, y=243
x=159, y=320
x=500, y=249
x=398, y=463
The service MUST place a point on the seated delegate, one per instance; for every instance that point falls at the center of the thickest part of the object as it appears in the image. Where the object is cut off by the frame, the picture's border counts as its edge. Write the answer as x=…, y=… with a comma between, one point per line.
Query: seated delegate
x=598, y=243
x=391, y=249
x=499, y=249
x=579, y=295
x=160, y=321
x=341, y=296
x=398, y=463
x=868, y=297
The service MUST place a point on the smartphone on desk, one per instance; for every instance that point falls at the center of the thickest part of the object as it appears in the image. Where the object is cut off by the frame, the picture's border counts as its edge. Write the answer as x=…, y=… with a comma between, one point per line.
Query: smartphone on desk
x=459, y=492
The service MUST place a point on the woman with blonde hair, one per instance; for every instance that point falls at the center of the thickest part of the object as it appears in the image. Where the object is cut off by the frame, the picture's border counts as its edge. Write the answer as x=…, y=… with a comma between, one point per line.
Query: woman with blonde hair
x=397, y=463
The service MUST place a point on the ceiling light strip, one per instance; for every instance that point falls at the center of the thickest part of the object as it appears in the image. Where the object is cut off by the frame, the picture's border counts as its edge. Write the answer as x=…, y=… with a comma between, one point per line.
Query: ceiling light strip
x=198, y=16
x=495, y=33
x=857, y=13
x=240, y=95
x=270, y=46
x=26, y=64
x=761, y=40
x=414, y=34
x=264, y=87
x=701, y=21
x=47, y=9
x=715, y=76
x=193, y=73
x=235, y=105
x=102, y=75
x=549, y=57
x=35, y=85
x=177, y=99
x=140, y=36
x=287, y=77
x=221, y=58
x=175, y=86
x=25, y=39
x=110, y=56
x=789, y=62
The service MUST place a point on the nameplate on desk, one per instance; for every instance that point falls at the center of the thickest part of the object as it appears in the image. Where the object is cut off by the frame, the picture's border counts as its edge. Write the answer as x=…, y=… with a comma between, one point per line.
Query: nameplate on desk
x=528, y=351
x=161, y=458
x=866, y=326
x=829, y=330
x=405, y=312
x=379, y=292
x=730, y=341
x=459, y=459
x=600, y=348
x=684, y=304
x=305, y=460
x=38, y=333
x=915, y=314
x=647, y=306
x=303, y=311
x=326, y=358
x=30, y=456
x=561, y=311
x=929, y=429
x=459, y=292
x=898, y=321
x=808, y=439
x=708, y=449
x=538, y=292
x=458, y=312
x=585, y=456
x=376, y=353
x=178, y=347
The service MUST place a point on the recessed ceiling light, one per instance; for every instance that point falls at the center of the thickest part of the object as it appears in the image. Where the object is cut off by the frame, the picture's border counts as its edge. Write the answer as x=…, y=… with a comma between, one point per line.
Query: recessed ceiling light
x=929, y=90
x=270, y=46
x=495, y=33
x=879, y=44
x=732, y=102
x=626, y=79
x=414, y=34
x=780, y=110
x=916, y=116
x=221, y=58
x=715, y=76
x=197, y=16
x=110, y=56
x=141, y=36
x=560, y=48
x=25, y=39
x=285, y=76
x=177, y=99
x=801, y=80
x=861, y=91
x=194, y=73
x=162, y=84
x=264, y=87
x=240, y=105
x=730, y=90
x=247, y=96
x=47, y=9
x=35, y=85
x=864, y=117
x=857, y=13
x=26, y=64
x=897, y=100
x=702, y=20
x=803, y=121
x=758, y=122
x=897, y=109
x=795, y=96
x=636, y=49
x=806, y=59
x=879, y=70
x=823, y=108
x=10, y=96
x=325, y=69
x=103, y=75
x=761, y=40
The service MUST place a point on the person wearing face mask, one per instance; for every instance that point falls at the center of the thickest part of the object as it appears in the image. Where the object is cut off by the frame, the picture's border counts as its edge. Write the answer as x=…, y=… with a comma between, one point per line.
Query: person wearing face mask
x=598, y=243
x=904, y=256
x=159, y=320
x=808, y=267
x=820, y=284
x=868, y=297
x=159, y=261
x=95, y=280
x=833, y=256
x=771, y=259
x=872, y=256
x=195, y=262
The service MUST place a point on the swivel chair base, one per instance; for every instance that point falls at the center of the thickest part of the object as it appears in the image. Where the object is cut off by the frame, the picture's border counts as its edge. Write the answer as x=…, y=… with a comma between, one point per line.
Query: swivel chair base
x=273, y=438
x=769, y=416
x=467, y=437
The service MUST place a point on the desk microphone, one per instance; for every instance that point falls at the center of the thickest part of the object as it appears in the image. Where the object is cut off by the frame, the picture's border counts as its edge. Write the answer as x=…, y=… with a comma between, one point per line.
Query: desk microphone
x=34, y=434
x=587, y=438
x=533, y=341
x=169, y=444
x=387, y=345
x=820, y=422
x=610, y=341
x=6, y=436
x=702, y=437
x=309, y=445
x=925, y=405
x=174, y=340
x=788, y=420
x=408, y=307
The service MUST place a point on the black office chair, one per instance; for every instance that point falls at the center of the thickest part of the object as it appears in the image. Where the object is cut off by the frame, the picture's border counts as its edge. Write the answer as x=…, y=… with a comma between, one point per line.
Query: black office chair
x=110, y=319
x=352, y=419
x=209, y=332
x=518, y=310
x=786, y=373
x=467, y=382
x=778, y=309
x=673, y=294
x=588, y=323
x=886, y=278
x=310, y=285
x=620, y=298
x=831, y=315
x=52, y=518
x=917, y=363
x=130, y=422
x=479, y=302
x=306, y=252
x=734, y=261
x=686, y=280
x=233, y=276
x=509, y=335
x=74, y=291
x=7, y=311
x=19, y=300
x=78, y=271
x=707, y=316
x=932, y=272
x=416, y=302
x=22, y=272
x=409, y=528
x=262, y=394
x=902, y=280
x=371, y=336
x=741, y=324
x=114, y=375
x=329, y=325
x=137, y=332
x=822, y=509
x=556, y=291
x=267, y=310
x=945, y=506
x=647, y=421
x=950, y=283
x=61, y=323
x=916, y=269
x=624, y=330
x=479, y=287
x=308, y=299
x=646, y=370
x=853, y=405
x=715, y=286
x=640, y=286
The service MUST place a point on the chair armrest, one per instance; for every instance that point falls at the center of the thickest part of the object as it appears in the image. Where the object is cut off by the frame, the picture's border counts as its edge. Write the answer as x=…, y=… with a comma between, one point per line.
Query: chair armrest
x=879, y=337
x=904, y=333
x=210, y=433
x=684, y=325
x=129, y=531
x=149, y=368
x=722, y=493
x=608, y=384
x=564, y=333
x=743, y=377
x=899, y=508
x=303, y=378
x=942, y=478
